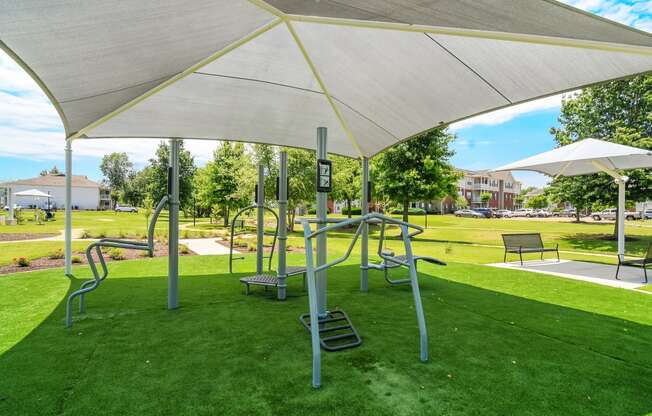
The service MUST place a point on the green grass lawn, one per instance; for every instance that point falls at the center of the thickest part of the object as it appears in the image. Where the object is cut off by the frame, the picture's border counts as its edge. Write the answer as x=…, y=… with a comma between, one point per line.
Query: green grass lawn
x=502, y=342
x=35, y=249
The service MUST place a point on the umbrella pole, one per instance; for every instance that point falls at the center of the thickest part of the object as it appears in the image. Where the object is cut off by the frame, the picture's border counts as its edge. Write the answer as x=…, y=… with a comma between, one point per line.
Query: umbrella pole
x=282, y=223
x=621, y=217
x=68, y=229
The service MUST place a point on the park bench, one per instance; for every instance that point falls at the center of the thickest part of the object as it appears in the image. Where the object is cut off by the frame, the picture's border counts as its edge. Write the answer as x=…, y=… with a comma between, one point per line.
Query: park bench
x=526, y=243
x=643, y=263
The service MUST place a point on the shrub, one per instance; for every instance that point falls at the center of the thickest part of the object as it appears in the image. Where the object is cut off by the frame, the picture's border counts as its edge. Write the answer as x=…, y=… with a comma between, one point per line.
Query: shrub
x=76, y=259
x=101, y=234
x=184, y=249
x=411, y=211
x=21, y=261
x=252, y=246
x=354, y=211
x=116, y=254
x=85, y=234
x=313, y=211
x=56, y=255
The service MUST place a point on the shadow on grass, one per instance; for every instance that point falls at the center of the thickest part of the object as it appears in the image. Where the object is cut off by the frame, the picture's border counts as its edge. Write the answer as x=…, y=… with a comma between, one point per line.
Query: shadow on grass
x=636, y=244
x=226, y=353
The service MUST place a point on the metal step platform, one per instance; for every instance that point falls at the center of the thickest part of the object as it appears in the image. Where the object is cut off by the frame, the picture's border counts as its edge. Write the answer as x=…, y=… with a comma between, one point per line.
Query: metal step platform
x=271, y=280
x=336, y=332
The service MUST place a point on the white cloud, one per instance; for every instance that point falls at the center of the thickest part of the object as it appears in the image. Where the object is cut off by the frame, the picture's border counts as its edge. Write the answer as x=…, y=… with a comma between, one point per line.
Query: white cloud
x=506, y=114
x=635, y=13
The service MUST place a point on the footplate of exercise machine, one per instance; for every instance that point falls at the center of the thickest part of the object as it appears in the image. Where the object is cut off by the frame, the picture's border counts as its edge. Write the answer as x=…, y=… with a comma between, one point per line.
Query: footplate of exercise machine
x=336, y=332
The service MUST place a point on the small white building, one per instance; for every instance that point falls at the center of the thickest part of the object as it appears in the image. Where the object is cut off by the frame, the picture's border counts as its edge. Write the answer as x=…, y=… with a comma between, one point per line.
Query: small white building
x=86, y=194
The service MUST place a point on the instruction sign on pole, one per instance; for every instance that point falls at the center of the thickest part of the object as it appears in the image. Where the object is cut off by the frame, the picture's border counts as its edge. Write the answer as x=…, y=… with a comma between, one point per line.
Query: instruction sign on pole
x=324, y=175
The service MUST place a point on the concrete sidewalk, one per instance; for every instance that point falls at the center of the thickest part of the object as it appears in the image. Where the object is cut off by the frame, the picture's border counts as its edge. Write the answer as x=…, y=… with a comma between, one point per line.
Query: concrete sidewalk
x=205, y=246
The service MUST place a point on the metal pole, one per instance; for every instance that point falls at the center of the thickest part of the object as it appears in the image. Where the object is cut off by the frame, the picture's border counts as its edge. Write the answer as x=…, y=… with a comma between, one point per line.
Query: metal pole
x=364, y=245
x=501, y=194
x=282, y=227
x=621, y=217
x=260, y=220
x=68, y=229
x=10, y=202
x=173, y=227
x=322, y=215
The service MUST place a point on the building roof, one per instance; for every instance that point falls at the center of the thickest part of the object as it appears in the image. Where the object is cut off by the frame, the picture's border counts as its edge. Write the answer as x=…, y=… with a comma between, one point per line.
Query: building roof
x=505, y=175
x=78, y=181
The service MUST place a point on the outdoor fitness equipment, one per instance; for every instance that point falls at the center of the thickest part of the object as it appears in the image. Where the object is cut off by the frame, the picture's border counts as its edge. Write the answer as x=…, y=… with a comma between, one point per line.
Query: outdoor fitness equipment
x=260, y=278
x=391, y=261
x=334, y=330
x=233, y=235
x=93, y=284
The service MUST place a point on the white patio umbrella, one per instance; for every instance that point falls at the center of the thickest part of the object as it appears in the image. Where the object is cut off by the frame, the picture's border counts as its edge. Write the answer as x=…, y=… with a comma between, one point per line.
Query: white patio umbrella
x=374, y=73
x=33, y=193
x=586, y=157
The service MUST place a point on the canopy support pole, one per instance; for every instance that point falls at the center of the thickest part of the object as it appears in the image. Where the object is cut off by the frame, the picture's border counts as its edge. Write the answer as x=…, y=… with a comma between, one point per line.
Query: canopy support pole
x=68, y=202
x=322, y=216
x=10, y=203
x=364, y=245
x=260, y=219
x=621, y=217
x=173, y=227
x=621, y=180
x=282, y=225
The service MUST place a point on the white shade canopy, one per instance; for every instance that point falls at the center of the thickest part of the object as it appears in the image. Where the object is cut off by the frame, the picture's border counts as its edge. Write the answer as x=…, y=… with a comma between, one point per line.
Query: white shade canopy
x=584, y=157
x=374, y=72
x=33, y=193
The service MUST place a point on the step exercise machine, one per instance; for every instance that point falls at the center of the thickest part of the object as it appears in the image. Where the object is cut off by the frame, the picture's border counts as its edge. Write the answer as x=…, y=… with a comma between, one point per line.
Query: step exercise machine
x=332, y=330
x=391, y=261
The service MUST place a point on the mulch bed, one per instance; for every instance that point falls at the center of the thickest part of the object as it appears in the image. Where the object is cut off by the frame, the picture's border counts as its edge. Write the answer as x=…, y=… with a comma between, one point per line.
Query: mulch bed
x=25, y=236
x=160, y=250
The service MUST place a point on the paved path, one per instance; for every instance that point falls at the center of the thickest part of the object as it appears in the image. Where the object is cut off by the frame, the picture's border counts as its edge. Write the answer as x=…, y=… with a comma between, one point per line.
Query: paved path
x=76, y=235
x=602, y=274
x=205, y=246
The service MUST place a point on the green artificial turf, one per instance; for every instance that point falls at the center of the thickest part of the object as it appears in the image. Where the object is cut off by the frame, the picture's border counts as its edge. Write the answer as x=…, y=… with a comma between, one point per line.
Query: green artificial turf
x=502, y=342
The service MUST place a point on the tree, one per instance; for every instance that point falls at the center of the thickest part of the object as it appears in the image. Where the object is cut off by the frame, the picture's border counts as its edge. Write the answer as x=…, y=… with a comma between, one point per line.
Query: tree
x=418, y=169
x=218, y=183
x=519, y=199
x=461, y=202
x=157, y=174
x=302, y=173
x=347, y=185
x=567, y=189
x=619, y=112
x=537, y=202
x=485, y=197
x=53, y=171
x=267, y=155
x=116, y=168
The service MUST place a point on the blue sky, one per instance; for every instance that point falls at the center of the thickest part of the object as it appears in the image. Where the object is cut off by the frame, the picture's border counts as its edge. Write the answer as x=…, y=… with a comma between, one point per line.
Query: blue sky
x=29, y=122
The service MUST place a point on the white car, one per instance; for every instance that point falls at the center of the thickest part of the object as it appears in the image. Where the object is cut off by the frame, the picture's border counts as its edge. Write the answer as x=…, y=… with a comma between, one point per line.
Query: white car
x=468, y=213
x=16, y=207
x=125, y=208
x=524, y=212
x=544, y=213
x=647, y=214
x=611, y=213
x=503, y=213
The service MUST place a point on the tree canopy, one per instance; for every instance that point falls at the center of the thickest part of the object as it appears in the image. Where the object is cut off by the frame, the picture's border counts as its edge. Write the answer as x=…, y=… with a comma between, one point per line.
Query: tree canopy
x=416, y=170
x=619, y=112
x=347, y=185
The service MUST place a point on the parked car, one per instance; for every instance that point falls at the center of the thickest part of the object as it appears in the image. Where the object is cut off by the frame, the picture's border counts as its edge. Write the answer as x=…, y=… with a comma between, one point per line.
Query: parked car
x=486, y=212
x=468, y=213
x=125, y=208
x=503, y=213
x=611, y=213
x=543, y=213
x=647, y=214
x=16, y=207
x=564, y=213
x=524, y=212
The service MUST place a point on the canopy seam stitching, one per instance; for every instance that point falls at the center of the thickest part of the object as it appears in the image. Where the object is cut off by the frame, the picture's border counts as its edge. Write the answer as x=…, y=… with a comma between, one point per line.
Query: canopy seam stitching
x=476, y=73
